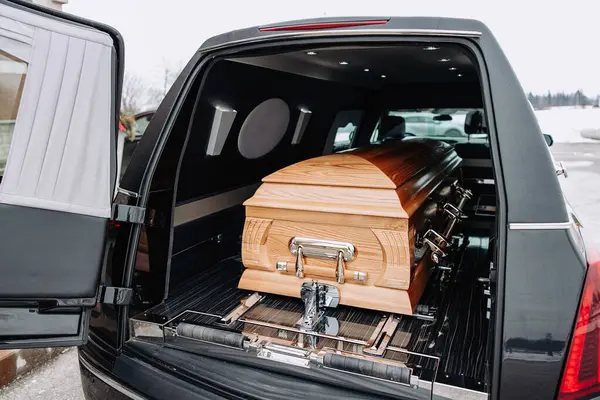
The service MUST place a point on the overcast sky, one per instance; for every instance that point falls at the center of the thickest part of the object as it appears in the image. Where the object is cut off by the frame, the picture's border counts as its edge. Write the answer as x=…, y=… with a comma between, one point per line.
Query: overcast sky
x=551, y=47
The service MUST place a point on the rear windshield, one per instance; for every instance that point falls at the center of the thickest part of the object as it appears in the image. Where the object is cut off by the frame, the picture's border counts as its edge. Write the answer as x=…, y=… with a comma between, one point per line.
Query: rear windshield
x=437, y=123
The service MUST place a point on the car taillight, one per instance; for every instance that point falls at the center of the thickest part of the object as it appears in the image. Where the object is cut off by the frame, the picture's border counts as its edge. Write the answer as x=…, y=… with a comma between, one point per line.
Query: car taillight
x=311, y=26
x=581, y=376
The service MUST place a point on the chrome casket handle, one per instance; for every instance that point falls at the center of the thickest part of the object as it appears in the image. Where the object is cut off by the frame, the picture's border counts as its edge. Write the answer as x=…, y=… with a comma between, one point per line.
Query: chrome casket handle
x=307, y=247
x=322, y=248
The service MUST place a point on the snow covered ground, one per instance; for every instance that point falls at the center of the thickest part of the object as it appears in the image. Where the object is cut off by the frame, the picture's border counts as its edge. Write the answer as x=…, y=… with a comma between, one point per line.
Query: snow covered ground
x=567, y=124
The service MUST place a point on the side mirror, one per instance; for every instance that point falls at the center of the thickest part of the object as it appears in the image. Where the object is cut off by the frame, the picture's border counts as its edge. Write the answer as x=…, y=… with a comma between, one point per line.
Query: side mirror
x=549, y=140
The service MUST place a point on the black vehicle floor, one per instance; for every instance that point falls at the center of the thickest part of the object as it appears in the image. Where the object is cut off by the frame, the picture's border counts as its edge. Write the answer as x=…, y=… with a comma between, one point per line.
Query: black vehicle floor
x=455, y=340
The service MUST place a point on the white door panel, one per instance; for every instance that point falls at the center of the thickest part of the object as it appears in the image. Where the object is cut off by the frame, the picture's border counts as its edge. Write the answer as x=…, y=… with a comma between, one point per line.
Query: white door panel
x=60, y=154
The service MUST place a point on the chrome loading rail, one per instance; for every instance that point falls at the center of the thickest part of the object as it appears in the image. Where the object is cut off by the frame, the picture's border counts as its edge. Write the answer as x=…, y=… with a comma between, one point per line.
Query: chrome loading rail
x=373, y=357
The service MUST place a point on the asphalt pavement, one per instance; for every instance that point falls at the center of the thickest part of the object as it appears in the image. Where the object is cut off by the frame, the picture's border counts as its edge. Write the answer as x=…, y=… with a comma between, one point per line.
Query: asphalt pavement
x=59, y=379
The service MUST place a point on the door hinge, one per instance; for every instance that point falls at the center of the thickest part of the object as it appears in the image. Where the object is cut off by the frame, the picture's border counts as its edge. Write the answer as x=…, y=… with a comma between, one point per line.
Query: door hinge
x=126, y=213
x=115, y=295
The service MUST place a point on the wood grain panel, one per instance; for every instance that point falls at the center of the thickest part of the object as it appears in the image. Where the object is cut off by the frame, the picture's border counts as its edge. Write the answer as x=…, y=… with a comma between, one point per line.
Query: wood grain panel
x=328, y=199
x=396, y=259
x=254, y=237
x=414, y=192
x=333, y=170
x=384, y=166
x=316, y=217
x=368, y=259
x=355, y=295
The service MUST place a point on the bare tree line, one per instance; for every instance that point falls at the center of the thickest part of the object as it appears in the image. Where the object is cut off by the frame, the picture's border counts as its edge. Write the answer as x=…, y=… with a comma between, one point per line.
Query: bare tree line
x=578, y=98
x=138, y=96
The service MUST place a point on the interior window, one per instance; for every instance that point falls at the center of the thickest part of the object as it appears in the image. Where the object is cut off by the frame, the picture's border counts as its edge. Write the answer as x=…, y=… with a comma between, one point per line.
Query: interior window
x=343, y=137
x=12, y=77
x=343, y=130
x=435, y=123
x=141, y=124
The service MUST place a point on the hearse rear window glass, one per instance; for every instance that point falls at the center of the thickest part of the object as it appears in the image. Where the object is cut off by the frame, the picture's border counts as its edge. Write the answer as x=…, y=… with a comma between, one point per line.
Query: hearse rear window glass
x=435, y=123
x=12, y=78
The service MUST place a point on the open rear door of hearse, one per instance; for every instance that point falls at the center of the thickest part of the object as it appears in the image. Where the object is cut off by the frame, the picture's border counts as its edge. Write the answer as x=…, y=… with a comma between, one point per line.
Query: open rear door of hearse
x=59, y=80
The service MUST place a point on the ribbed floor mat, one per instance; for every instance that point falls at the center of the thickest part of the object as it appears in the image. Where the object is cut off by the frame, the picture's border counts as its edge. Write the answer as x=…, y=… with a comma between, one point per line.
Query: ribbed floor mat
x=212, y=291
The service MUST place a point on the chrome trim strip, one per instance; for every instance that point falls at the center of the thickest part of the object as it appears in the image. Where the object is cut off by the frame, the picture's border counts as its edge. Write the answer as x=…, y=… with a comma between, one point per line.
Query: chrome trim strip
x=347, y=32
x=526, y=226
x=109, y=381
x=210, y=205
x=453, y=392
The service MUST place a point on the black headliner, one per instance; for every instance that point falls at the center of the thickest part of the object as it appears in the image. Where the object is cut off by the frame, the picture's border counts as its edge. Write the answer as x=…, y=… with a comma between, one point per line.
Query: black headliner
x=399, y=64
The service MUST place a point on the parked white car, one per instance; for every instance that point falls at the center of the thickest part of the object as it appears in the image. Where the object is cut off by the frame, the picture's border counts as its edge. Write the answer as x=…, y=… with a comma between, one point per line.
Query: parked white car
x=424, y=123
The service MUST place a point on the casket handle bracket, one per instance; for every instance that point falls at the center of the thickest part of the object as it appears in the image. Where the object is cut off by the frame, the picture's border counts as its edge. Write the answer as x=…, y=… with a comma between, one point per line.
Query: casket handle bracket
x=299, y=263
x=339, y=269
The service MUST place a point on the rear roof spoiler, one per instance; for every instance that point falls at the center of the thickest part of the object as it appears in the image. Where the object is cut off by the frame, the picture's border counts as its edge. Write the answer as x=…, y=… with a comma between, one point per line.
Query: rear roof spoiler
x=406, y=26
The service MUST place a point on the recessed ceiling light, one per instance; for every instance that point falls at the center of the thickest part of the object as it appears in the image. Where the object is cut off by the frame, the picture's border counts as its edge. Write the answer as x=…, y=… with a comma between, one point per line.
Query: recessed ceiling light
x=366, y=69
x=431, y=48
x=459, y=75
x=383, y=76
x=311, y=53
x=343, y=63
x=444, y=60
x=452, y=68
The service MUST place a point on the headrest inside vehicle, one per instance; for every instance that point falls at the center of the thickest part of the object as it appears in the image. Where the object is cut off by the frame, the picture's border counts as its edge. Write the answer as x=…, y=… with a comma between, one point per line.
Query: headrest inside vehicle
x=475, y=123
x=392, y=126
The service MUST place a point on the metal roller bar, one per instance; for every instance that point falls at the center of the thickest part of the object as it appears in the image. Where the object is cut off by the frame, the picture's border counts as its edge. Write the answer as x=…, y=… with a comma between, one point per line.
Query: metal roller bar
x=361, y=366
x=211, y=335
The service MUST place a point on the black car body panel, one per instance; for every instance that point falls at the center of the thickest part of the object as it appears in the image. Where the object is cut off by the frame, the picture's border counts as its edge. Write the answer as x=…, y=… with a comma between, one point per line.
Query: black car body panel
x=539, y=311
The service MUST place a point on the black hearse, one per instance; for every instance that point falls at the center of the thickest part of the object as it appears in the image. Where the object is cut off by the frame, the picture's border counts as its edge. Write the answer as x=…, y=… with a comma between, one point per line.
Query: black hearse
x=118, y=268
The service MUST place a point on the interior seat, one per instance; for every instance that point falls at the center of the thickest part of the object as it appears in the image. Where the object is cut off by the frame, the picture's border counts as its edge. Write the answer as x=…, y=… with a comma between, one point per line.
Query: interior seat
x=475, y=123
x=392, y=127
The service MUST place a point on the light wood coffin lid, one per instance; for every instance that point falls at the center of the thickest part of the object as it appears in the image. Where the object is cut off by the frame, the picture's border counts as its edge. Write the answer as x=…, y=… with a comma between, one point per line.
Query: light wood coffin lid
x=366, y=181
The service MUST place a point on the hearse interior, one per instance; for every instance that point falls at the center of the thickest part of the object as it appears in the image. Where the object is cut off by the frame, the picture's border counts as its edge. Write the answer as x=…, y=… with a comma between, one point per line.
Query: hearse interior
x=310, y=208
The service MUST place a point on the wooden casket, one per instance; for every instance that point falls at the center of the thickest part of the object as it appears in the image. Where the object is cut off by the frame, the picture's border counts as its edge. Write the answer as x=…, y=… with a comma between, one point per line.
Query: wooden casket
x=353, y=217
